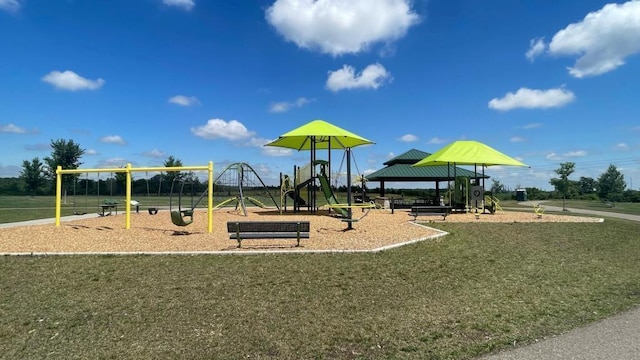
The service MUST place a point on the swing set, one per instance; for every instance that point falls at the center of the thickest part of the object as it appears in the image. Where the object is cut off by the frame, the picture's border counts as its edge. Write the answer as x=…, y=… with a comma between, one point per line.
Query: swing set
x=128, y=170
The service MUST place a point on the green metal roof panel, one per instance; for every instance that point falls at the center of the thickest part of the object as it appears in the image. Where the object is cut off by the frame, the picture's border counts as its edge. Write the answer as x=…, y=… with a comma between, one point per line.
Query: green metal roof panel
x=410, y=157
x=406, y=172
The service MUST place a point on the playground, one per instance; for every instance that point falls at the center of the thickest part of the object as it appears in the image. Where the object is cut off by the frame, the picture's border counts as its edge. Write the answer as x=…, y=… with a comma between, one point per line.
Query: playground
x=381, y=229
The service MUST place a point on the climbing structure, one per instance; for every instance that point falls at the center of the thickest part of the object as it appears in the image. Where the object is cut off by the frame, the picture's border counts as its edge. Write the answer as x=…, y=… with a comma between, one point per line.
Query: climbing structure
x=238, y=183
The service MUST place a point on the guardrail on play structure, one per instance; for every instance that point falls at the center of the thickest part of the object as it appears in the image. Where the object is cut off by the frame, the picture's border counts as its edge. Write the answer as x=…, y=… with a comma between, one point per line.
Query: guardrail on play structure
x=128, y=170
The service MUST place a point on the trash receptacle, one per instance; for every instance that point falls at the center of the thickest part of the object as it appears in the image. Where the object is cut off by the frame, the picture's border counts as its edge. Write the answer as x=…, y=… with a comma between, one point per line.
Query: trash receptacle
x=521, y=194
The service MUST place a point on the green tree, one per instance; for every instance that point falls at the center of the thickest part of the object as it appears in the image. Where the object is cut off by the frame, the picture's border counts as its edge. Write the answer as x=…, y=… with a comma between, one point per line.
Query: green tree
x=33, y=175
x=121, y=182
x=611, y=185
x=562, y=183
x=496, y=187
x=66, y=154
x=172, y=176
x=587, y=185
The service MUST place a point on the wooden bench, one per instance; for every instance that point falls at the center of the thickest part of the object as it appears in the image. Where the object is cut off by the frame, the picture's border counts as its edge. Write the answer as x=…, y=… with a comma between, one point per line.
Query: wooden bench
x=430, y=210
x=241, y=230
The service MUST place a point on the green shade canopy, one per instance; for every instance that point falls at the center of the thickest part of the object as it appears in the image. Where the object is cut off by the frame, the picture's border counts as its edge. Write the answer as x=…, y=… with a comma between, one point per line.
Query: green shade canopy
x=467, y=152
x=320, y=133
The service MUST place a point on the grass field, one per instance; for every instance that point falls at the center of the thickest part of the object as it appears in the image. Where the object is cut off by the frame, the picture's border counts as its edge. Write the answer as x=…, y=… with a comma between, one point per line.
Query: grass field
x=483, y=287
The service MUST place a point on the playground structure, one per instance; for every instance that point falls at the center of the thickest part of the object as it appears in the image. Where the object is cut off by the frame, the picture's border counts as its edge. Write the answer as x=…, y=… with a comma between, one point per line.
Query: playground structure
x=469, y=196
x=128, y=170
x=302, y=190
x=241, y=183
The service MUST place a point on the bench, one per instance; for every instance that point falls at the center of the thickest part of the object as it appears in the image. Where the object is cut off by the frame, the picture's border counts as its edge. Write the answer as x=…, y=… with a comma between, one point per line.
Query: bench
x=430, y=210
x=241, y=230
x=108, y=205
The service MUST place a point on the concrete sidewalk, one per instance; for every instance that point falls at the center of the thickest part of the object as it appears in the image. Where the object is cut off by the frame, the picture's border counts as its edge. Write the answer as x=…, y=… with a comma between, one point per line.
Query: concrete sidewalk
x=617, y=337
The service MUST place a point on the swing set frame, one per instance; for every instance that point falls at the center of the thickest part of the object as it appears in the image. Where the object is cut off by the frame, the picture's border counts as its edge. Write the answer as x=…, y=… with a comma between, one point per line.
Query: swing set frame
x=128, y=170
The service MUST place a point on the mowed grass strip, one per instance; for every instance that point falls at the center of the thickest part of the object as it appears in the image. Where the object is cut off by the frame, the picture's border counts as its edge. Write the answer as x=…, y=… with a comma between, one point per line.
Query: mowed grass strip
x=482, y=288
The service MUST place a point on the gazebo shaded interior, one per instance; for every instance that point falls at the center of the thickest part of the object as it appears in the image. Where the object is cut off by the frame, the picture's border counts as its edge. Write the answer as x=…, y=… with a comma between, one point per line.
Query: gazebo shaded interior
x=399, y=169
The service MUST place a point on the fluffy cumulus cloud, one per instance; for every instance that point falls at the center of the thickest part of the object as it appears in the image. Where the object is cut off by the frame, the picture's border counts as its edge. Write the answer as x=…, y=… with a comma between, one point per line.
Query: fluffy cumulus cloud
x=409, y=138
x=533, y=99
x=602, y=40
x=184, y=100
x=155, y=154
x=12, y=129
x=113, y=139
x=220, y=129
x=186, y=5
x=284, y=106
x=436, y=140
x=536, y=48
x=69, y=80
x=11, y=6
x=339, y=27
x=372, y=77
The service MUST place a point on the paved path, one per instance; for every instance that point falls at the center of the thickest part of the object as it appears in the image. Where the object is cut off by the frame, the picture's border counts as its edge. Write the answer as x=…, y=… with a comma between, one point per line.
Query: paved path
x=617, y=337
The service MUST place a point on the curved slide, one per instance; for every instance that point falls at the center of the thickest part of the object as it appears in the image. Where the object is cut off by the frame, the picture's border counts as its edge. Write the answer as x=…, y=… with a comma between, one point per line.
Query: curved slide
x=329, y=195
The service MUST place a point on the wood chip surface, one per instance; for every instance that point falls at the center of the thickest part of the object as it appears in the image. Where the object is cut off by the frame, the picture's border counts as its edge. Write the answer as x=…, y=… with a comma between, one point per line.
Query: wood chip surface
x=156, y=233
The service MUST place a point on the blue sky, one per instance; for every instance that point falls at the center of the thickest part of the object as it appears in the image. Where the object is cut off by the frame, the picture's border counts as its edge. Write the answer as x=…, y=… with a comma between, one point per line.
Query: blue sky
x=135, y=81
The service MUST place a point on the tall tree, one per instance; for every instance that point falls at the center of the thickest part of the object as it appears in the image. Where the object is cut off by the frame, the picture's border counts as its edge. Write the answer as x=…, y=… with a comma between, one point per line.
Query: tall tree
x=587, y=185
x=33, y=175
x=496, y=187
x=611, y=184
x=562, y=183
x=172, y=176
x=65, y=153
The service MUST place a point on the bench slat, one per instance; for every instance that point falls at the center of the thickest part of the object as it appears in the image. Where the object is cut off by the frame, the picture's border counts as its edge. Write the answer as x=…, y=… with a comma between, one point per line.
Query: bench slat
x=240, y=230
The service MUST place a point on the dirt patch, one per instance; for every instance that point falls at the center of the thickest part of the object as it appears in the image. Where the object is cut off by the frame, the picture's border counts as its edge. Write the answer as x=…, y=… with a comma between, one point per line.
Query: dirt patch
x=156, y=233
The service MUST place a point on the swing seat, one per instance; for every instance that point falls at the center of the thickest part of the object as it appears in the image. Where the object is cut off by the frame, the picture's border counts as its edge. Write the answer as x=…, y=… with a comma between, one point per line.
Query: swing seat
x=152, y=210
x=177, y=217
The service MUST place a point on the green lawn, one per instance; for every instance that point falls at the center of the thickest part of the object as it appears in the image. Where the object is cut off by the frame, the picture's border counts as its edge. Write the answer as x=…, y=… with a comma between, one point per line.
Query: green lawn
x=483, y=287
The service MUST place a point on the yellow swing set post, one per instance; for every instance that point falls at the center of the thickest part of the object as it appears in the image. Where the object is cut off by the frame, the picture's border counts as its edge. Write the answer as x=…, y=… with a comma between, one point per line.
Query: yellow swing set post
x=128, y=170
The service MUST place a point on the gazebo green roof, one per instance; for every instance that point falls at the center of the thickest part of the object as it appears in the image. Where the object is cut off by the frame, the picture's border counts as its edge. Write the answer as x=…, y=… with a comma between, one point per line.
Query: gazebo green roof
x=399, y=169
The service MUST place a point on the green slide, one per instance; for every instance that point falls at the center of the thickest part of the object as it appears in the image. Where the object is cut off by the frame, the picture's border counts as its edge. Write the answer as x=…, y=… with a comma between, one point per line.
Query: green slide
x=328, y=194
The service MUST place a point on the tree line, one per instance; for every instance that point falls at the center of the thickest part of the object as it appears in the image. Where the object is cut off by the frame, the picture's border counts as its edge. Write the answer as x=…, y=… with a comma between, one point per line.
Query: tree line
x=38, y=176
x=609, y=187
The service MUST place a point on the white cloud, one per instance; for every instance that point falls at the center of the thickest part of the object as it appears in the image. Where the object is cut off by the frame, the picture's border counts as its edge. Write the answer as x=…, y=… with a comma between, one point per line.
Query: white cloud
x=113, y=139
x=184, y=100
x=10, y=6
x=532, y=126
x=38, y=147
x=339, y=27
x=12, y=128
x=285, y=106
x=436, y=140
x=186, y=5
x=537, y=46
x=155, y=153
x=533, y=99
x=577, y=153
x=553, y=156
x=68, y=80
x=409, y=138
x=622, y=146
x=90, y=152
x=602, y=40
x=113, y=163
x=516, y=139
x=372, y=77
x=218, y=128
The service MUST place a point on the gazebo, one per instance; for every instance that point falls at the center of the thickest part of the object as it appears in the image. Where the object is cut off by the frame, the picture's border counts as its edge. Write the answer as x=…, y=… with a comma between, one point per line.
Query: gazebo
x=399, y=169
